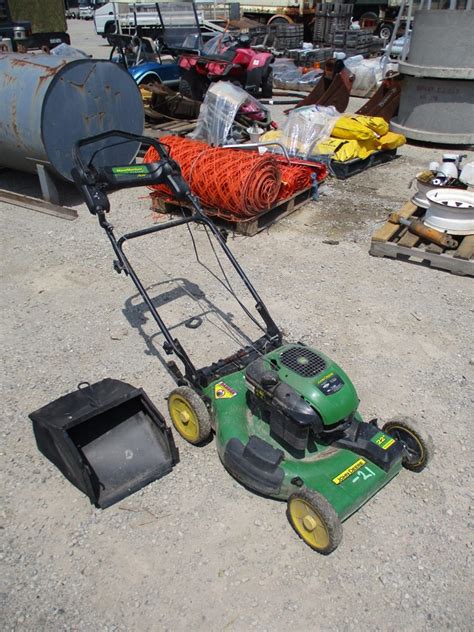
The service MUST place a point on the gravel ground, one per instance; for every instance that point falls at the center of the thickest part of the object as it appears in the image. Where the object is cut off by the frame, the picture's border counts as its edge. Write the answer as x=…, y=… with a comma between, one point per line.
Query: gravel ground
x=195, y=550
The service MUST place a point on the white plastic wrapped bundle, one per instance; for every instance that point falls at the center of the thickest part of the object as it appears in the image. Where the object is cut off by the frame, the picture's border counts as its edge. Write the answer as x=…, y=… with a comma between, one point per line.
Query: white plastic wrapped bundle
x=218, y=111
x=307, y=126
x=310, y=79
x=64, y=50
x=285, y=73
x=467, y=174
x=367, y=72
x=287, y=76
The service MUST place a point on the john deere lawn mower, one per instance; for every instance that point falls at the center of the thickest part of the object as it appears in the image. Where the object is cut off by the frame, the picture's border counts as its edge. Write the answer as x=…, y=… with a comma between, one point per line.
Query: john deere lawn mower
x=284, y=415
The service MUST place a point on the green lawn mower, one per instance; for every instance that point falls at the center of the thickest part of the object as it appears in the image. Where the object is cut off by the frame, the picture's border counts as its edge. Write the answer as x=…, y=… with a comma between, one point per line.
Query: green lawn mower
x=284, y=415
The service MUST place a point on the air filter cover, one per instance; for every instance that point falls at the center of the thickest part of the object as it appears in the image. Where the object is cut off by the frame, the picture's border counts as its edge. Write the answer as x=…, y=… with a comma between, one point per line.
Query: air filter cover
x=303, y=361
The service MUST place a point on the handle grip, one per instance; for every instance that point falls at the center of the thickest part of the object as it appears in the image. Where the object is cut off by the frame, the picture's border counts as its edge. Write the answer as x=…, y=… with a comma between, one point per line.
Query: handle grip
x=93, y=181
x=90, y=140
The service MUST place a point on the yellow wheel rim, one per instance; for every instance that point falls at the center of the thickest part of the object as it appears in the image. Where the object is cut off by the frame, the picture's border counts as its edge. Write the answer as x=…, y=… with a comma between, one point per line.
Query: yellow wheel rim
x=308, y=524
x=417, y=441
x=184, y=418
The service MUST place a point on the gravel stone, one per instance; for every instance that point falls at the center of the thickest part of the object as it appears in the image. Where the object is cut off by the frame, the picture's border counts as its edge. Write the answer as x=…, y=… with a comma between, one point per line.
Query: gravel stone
x=403, y=562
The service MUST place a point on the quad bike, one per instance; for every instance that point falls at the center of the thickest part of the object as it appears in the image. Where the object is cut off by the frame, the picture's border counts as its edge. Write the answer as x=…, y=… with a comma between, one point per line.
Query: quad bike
x=226, y=57
x=284, y=414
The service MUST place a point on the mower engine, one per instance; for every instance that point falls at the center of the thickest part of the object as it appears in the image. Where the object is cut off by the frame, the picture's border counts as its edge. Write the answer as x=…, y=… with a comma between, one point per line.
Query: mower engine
x=308, y=400
x=296, y=384
x=290, y=417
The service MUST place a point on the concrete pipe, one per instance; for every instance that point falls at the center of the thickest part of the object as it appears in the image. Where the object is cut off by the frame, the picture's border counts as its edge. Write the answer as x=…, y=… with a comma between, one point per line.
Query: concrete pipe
x=437, y=98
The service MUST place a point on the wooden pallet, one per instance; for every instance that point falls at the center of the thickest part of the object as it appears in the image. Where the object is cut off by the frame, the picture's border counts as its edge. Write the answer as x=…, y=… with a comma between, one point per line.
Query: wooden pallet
x=248, y=227
x=394, y=241
x=165, y=125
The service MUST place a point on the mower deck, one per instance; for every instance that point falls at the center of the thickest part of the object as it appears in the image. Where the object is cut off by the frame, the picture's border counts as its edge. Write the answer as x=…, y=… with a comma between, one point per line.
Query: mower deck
x=255, y=457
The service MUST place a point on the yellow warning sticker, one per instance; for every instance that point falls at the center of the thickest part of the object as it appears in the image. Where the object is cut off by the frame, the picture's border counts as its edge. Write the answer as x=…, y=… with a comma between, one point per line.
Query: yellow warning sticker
x=388, y=443
x=384, y=441
x=222, y=391
x=340, y=478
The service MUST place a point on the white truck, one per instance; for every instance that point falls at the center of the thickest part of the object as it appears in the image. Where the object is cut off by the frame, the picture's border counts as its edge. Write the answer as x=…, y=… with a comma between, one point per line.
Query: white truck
x=125, y=17
x=123, y=14
x=265, y=11
x=213, y=14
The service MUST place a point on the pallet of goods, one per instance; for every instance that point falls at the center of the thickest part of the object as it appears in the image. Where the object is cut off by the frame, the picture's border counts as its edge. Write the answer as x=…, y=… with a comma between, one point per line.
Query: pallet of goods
x=397, y=242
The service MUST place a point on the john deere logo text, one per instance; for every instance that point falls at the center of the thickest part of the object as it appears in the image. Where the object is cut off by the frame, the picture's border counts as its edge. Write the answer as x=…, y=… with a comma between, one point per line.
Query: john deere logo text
x=340, y=478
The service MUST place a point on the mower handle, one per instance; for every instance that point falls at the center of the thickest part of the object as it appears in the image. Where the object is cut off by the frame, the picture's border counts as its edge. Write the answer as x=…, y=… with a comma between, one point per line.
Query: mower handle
x=93, y=181
x=145, y=140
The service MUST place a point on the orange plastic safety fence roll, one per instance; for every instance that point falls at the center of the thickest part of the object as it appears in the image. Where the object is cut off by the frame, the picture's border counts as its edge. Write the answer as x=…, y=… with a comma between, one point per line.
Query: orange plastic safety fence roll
x=293, y=178
x=241, y=183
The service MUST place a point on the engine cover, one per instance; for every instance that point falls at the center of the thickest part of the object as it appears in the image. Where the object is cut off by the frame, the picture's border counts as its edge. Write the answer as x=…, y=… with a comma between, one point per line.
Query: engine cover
x=304, y=385
x=290, y=416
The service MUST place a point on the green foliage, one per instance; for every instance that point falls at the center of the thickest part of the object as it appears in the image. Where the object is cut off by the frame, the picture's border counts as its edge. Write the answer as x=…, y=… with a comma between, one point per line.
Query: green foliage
x=44, y=15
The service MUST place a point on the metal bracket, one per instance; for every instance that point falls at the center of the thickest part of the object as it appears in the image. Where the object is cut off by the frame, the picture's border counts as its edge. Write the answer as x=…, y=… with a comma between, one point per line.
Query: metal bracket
x=118, y=267
x=49, y=190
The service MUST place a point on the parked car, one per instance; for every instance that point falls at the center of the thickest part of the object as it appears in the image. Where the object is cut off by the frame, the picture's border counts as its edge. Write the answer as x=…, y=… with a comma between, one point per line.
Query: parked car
x=86, y=13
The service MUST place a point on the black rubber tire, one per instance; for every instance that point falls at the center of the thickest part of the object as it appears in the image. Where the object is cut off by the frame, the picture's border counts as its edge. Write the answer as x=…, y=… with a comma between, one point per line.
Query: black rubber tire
x=266, y=90
x=370, y=16
x=199, y=408
x=151, y=78
x=418, y=441
x=280, y=20
x=109, y=29
x=326, y=514
x=192, y=87
x=185, y=88
x=385, y=31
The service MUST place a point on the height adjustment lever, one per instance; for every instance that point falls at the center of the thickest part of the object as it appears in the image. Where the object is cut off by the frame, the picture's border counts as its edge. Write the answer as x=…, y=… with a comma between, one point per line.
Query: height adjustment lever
x=168, y=349
x=119, y=267
x=93, y=194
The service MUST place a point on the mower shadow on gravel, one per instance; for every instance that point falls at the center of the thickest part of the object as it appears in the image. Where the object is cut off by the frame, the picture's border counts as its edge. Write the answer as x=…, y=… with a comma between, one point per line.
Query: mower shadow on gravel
x=138, y=314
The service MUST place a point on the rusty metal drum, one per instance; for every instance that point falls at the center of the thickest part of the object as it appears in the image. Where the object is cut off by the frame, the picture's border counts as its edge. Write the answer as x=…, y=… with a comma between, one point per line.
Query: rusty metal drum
x=48, y=103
